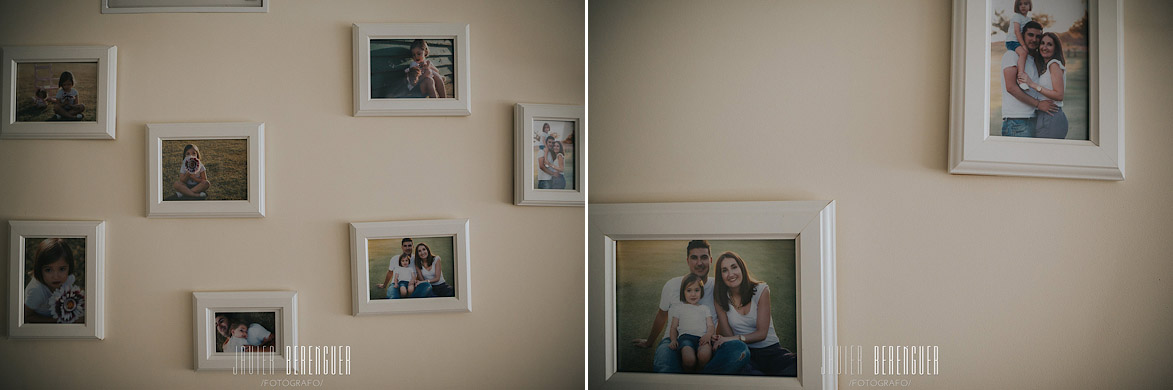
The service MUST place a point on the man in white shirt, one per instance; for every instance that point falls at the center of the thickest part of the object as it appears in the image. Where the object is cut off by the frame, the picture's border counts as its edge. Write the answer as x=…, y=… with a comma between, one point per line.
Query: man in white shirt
x=731, y=358
x=1018, y=106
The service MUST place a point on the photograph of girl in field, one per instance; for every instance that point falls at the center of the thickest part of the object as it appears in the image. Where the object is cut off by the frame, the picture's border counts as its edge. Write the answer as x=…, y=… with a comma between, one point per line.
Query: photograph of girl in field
x=706, y=307
x=412, y=68
x=1039, y=69
x=55, y=280
x=245, y=331
x=56, y=91
x=554, y=155
x=411, y=267
x=209, y=169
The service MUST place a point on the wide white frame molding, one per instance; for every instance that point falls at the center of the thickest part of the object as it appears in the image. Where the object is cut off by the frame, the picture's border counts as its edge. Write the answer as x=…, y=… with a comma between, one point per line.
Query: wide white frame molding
x=171, y=6
x=104, y=125
x=207, y=304
x=95, y=264
x=810, y=223
x=524, y=193
x=461, y=105
x=973, y=151
x=254, y=132
x=360, y=232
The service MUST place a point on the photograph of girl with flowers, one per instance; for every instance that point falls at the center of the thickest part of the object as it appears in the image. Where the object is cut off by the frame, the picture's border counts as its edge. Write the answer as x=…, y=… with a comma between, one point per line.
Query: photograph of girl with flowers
x=54, y=284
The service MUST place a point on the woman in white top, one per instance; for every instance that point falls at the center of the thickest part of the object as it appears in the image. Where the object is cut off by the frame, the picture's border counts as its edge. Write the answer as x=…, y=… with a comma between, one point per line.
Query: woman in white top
x=743, y=313
x=1051, y=84
x=430, y=272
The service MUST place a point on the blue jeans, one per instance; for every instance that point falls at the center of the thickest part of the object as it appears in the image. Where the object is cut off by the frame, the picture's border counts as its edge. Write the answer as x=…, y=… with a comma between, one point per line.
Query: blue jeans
x=731, y=358
x=422, y=290
x=1018, y=127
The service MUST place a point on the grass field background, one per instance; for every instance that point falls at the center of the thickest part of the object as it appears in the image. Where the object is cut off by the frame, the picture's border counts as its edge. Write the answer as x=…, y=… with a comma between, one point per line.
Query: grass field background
x=76, y=245
x=266, y=319
x=1075, y=94
x=380, y=252
x=85, y=77
x=225, y=159
x=642, y=268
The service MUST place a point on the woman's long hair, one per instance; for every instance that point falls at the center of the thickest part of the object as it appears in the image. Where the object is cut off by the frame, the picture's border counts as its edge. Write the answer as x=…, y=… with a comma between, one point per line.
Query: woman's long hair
x=745, y=289
x=1041, y=63
x=419, y=261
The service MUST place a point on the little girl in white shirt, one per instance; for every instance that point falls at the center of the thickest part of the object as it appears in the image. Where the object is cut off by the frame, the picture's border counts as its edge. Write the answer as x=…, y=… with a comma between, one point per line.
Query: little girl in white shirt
x=691, y=330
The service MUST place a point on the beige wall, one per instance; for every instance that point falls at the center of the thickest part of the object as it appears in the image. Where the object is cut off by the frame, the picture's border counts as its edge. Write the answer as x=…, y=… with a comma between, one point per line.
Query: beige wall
x=1022, y=282
x=291, y=68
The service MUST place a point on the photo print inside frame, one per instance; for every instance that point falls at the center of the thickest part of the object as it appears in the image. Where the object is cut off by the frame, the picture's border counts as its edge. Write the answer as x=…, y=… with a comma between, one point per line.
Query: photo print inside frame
x=253, y=331
x=411, y=267
x=55, y=280
x=413, y=68
x=205, y=169
x=554, y=157
x=56, y=91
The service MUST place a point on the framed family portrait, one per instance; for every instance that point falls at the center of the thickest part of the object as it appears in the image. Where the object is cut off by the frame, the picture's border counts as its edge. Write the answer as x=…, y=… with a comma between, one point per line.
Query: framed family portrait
x=680, y=295
x=206, y=170
x=1037, y=89
x=168, y=6
x=548, y=155
x=411, y=69
x=59, y=92
x=410, y=267
x=251, y=326
x=56, y=279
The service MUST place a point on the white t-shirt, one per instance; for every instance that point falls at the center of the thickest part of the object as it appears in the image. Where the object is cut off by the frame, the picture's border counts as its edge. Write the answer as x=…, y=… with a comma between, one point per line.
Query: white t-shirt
x=1045, y=78
x=395, y=262
x=671, y=295
x=72, y=94
x=1011, y=106
x=235, y=344
x=746, y=324
x=404, y=274
x=428, y=274
x=542, y=174
x=1015, y=17
x=692, y=318
x=36, y=297
x=257, y=334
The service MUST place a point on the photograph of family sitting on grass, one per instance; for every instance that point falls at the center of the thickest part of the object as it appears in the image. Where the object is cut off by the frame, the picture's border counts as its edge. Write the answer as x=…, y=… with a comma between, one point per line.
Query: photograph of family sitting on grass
x=706, y=307
x=208, y=169
x=1039, y=69
x=56, y=91
x=411, y=267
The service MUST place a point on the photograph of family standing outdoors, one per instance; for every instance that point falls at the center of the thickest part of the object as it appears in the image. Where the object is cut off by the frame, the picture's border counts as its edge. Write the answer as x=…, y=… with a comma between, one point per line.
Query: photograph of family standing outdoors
x=553, y=155
x=410, y=267
x=1039, y=69
x=706, y=307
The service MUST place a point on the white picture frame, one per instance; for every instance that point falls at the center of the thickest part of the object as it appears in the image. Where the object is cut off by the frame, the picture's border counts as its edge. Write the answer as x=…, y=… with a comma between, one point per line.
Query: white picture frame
x=207, y=304
x=158, y=205
x=458, y=105
x=174, y=6
x=362, y=232
x=94, y=233
x=524, y=191
x=105, y=112
x=972, y=150
x=810, y=223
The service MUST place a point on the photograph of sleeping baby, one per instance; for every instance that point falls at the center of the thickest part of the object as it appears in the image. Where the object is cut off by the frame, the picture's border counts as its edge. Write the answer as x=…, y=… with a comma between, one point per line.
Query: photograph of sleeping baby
x=56, y=91
x=412, y=68
x=208, y=169
x=411, y=267
x=554, y=155
x=706, y=307
x=55, y=280
x=245, y=331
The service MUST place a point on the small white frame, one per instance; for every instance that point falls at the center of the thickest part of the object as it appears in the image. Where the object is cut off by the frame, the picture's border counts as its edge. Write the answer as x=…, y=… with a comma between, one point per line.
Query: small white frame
x=178, y=6
x=360, y=232
x=94, y=233
x=973, y=151
x=810, y=223
x=524, y=193
x=364, y=105
x=254, y=132
x=207, y=304
x=104, y=125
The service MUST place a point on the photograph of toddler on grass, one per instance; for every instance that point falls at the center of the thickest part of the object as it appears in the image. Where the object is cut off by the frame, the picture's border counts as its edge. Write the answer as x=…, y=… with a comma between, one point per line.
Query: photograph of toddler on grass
x=209, y=169
x=245, y=331
x=55, y=281
x=1039, y=69
x=56, y=91
x=412, y=68
x=411, y=267
x=706, y=307
x=553, y=155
